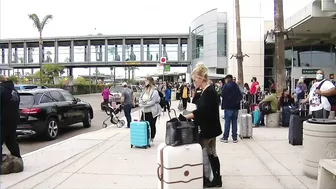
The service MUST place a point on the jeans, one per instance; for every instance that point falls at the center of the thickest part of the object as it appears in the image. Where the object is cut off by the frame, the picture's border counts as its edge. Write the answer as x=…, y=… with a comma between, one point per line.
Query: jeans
x=260, y=120
x=230, y=116
x=166, y=106
x=127, y=112
x=185, y=103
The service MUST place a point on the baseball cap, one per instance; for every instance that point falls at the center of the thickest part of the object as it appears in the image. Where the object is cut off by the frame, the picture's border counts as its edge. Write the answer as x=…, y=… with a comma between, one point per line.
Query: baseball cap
x=124, y=84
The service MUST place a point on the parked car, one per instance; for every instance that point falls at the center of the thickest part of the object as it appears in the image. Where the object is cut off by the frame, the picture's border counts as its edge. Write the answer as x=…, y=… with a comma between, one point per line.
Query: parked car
x=28, y=86
x=117, y=90
x=45, y=111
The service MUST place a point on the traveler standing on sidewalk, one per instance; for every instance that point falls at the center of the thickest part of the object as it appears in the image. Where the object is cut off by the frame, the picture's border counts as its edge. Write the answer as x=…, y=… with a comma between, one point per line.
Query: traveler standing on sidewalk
x=106, y=95
x=10, y=116
x=231, y=97
x=128, y=100
x=184, y=90
x=317, y=98
x=207, y=117
x=150, y=103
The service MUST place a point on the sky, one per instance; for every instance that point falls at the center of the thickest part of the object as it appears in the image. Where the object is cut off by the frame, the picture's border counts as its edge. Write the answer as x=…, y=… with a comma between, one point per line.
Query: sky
x=73, y=18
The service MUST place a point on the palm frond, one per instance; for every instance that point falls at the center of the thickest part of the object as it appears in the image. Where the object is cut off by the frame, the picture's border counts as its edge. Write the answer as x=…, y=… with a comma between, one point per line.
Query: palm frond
x=36, y=21
x=46, y=20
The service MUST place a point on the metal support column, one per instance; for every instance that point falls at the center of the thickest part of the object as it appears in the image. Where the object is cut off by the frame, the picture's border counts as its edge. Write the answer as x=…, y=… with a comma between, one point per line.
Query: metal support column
x=106, y=51
x=160, y=48
x=9, y=53
x=56, y=51
x=25, y=52
x=179, y=49
x=89, y=52
x=142, y=50
x=72, y=50
x=123, y=50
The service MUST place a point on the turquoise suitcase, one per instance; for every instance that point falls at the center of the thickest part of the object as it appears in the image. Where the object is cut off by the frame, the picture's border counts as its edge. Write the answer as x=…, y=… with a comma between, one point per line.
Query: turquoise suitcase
x=139, y=134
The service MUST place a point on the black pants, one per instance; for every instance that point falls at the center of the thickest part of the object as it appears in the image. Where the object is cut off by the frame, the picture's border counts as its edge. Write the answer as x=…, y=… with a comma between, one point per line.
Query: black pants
x=166, y=106
x=152, y=123
x=8, y=136
x=184, y=102
x=106, y=101
x=127, y=112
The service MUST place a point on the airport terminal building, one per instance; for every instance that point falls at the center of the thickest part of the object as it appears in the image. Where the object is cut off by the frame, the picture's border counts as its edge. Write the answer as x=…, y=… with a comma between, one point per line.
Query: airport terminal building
x=310, y=45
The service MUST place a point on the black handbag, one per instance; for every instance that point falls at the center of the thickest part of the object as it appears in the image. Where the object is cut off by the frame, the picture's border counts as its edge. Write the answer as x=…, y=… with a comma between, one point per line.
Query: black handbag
x=180, y=132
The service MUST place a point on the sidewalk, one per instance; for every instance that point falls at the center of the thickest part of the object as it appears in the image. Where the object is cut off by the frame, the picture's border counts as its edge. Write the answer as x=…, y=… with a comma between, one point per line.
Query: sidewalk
x=104, y=159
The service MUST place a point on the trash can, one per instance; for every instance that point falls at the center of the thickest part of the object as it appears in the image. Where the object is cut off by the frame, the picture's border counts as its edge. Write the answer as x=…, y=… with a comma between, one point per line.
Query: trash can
x=319, y=142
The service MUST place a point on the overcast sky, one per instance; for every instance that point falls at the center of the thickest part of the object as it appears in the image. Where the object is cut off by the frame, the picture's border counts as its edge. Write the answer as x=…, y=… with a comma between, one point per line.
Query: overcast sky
x=72, y=17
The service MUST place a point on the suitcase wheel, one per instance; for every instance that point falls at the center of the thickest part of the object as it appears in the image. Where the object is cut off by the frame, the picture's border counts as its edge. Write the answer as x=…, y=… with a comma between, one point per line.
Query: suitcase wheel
x=145, y=147
x=131, y=146
x=104, y=125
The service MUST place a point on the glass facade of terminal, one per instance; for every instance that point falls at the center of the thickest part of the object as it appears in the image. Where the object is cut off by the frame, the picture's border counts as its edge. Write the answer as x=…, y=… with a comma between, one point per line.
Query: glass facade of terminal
x=198, y=41
x=307, y=57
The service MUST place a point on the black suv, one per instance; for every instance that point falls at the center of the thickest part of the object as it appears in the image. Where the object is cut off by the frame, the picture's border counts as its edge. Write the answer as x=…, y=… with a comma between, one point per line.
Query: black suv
x=45, y=111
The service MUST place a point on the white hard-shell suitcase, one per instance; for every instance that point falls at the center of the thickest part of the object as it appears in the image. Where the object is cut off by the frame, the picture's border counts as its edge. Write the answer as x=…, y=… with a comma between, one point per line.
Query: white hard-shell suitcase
x=180, y=167
x=245, y=126
x=242, y=111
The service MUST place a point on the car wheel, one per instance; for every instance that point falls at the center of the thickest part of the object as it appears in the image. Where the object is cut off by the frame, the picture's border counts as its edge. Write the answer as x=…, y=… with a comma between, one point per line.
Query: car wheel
x=51, y=129
x=87, y=120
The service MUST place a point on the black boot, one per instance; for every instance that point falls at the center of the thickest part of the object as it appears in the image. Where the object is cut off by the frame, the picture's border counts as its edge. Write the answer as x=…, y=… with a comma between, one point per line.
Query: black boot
x=215, y=166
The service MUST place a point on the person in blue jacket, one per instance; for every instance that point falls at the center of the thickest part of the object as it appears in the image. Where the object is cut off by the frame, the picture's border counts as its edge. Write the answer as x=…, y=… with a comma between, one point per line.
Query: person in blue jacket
x=167, y=99
x=231, y=97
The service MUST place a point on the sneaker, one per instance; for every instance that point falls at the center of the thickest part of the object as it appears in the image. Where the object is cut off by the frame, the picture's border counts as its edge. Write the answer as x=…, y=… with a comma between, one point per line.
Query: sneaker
x=235, y=141
x=224, y=140
x=152, y=142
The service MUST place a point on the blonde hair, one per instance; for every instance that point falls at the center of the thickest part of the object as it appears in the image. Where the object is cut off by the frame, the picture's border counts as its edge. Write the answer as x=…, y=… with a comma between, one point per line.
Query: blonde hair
x=201, y=71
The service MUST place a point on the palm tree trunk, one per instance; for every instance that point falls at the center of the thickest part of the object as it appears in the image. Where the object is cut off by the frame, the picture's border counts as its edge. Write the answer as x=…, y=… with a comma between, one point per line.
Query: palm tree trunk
x=239, y=45
x=40, y=58
x=279, y=46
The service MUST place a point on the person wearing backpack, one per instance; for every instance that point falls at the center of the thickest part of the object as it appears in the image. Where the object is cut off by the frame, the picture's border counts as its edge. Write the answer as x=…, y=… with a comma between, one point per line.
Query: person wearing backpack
x=321, y=96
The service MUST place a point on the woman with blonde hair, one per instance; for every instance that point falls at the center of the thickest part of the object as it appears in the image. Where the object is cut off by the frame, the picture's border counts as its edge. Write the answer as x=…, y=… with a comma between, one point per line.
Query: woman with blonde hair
x=150, y=103
x=207, y=117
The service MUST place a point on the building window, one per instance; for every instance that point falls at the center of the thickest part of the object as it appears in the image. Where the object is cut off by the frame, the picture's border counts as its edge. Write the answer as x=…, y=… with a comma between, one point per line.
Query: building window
x=197, y=42
x=221, y=39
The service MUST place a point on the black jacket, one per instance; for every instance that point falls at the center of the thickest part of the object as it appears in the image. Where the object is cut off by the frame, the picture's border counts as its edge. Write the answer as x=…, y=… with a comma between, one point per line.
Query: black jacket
x=231, y=96
x=207, y=114
x=10, y=101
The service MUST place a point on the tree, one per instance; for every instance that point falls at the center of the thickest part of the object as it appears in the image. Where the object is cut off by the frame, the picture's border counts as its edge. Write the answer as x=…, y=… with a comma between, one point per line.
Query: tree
x=13, y=78
x=279, y=46
x=39, y=25
x=82, y=81
x=239, y=55
x=49, y=71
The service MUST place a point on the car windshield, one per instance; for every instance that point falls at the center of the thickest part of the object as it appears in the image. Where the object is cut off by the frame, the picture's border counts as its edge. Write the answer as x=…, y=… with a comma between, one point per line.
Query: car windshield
x=30, y=87
x=26, y=100
x=116, y=89
x=17, y=88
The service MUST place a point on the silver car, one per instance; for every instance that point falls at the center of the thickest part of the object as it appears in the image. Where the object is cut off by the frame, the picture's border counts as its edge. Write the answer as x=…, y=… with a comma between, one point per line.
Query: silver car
x=116, y=93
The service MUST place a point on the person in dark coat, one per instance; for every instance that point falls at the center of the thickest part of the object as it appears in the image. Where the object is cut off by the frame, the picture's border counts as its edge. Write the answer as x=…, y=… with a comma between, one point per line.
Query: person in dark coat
x=207, y=117
x=231, y=97
x=10, y=116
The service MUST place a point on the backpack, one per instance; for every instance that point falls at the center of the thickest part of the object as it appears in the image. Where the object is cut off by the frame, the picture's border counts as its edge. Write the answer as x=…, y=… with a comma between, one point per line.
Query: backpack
x=265, y=107
x=331, y=99
x=162, y=99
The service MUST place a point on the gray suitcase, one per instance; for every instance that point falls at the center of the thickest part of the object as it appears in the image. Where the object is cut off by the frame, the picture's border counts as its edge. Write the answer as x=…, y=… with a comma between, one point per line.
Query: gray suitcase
x=245, y=126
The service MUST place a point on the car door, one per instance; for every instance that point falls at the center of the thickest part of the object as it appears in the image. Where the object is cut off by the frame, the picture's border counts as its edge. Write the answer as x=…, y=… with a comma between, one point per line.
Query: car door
x=78, y=108
x=63, y=108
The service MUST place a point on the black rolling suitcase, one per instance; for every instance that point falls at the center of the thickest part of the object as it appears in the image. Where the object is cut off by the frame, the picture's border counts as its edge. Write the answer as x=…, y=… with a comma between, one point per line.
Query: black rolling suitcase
x=295, y=130
x=296, y=120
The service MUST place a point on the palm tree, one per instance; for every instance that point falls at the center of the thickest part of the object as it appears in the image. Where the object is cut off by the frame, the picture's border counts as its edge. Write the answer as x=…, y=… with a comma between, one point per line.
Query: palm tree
x=39, y=25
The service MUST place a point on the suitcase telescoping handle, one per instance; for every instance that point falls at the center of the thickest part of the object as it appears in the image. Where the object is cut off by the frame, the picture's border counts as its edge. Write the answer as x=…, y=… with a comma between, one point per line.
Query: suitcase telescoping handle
x=172, y=110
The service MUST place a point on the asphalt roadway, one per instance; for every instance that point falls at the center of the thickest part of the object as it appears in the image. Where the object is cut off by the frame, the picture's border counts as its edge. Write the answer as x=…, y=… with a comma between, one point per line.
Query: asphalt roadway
x=29, y=144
